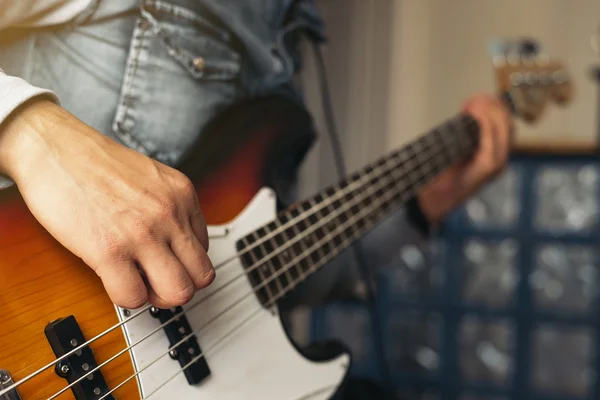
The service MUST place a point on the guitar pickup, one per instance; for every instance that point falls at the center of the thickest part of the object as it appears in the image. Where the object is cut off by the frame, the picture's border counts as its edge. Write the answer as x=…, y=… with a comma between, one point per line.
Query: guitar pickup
x=187, y=350
x=65, y=335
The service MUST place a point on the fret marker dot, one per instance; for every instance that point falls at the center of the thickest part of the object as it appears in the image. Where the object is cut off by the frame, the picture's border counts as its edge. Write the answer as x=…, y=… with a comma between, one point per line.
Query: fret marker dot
x=73, y=342
x=85, y=367
x=97, y=391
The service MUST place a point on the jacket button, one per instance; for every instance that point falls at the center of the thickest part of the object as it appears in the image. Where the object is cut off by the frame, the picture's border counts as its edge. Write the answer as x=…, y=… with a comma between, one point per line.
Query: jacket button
x=199, y=63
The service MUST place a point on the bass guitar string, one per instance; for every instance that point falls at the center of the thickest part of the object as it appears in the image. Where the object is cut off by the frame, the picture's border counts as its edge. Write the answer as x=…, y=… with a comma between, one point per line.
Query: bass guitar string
x=282, y=292
x=256, y=244
x=374, y=208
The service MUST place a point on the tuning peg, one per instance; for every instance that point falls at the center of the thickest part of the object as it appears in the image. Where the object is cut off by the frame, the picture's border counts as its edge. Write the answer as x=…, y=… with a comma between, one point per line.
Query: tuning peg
x=529, y=48
x=498, y=47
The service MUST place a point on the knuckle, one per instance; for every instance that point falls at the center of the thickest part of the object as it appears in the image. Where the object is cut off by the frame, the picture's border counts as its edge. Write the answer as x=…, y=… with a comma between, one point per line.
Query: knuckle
x=186, y=188
x=165, y=208
x=144, y=233
x=112, y=247
x=141, y=229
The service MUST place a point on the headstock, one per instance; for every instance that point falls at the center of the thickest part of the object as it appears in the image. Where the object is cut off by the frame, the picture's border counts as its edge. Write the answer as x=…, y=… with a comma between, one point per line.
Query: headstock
x=529, y=79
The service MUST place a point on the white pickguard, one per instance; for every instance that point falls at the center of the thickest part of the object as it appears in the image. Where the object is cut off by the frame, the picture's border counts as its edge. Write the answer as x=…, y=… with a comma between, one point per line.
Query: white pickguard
x=256, y=361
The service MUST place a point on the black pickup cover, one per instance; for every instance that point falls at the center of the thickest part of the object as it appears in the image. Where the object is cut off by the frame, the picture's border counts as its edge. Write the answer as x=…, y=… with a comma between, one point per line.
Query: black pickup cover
x=176, y=330
x=65, y=335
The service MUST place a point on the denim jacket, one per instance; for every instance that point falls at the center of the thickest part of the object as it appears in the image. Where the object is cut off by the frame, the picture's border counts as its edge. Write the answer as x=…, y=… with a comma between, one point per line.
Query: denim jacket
x=151, y=73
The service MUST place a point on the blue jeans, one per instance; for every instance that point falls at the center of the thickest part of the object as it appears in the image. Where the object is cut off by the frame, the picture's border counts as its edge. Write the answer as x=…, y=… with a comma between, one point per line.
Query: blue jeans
x=150, y=74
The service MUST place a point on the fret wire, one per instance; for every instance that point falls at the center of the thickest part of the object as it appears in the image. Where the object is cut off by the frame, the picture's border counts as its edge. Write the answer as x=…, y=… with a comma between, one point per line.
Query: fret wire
x=383, y=174
x=455, y=147
x=298, y=267
x=368, y=224
x=422, y=164
x=420, y=169
x=319, y=248
x=326, y=246
x=370, y=221
x=446, y=153
x=447, y=148
x=319, y=216
x=288, y=273
x=338, y=219
x=327, y=200
x=334, y=251
x=358, y=174
x=408, y=164
x=441, y=157
x=251, y=255
x=410, y=173
x=267, y=267
x=443, y=131
x=312, y=237
x=342, y=246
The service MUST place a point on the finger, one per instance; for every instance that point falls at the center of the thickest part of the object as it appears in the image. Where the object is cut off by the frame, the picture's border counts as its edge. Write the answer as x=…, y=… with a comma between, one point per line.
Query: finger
x=190, y=252
x=483, y=159
x=153, y=298
x=191, y=211
x=502, y=124
x=166, y=276
x=124, y=284
x=157, y=301
x=198, y=225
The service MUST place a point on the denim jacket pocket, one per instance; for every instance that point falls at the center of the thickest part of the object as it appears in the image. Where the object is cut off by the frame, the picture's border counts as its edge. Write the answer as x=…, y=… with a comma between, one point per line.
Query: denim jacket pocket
x=180, y=71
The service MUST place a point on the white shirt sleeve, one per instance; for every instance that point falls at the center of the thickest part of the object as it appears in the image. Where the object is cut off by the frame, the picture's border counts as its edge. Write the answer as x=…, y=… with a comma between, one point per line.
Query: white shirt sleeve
x=15, y=91
x=39, y=12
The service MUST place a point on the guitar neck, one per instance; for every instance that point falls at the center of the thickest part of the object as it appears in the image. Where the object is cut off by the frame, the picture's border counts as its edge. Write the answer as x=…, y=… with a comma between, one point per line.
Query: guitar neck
x=285, y=252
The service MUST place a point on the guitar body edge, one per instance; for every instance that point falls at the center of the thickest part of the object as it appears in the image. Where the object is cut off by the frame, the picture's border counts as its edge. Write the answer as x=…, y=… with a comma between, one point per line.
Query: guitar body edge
x=254, y=359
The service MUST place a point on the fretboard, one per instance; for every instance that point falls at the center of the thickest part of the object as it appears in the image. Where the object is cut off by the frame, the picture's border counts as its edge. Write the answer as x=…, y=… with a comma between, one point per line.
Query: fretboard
x=285, y=252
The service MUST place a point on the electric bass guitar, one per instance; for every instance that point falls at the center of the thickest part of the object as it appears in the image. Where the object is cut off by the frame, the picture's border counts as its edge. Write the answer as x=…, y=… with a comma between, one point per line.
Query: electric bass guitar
x=61, y=336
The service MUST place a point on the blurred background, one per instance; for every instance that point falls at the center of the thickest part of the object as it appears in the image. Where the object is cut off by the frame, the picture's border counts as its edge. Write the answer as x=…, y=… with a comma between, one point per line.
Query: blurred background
x=504, y=303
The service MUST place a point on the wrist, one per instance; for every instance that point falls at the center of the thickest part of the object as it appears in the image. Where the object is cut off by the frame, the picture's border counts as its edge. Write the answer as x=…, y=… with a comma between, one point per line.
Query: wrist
x=28, y=134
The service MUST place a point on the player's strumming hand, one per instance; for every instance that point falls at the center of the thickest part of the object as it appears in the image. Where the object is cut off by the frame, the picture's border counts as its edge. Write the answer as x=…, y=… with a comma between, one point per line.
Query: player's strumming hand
x=458, y=183
x=135, y=221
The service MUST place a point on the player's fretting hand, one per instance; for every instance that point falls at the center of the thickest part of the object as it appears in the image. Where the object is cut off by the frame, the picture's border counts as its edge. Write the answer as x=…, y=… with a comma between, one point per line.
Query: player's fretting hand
x=458, y=183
